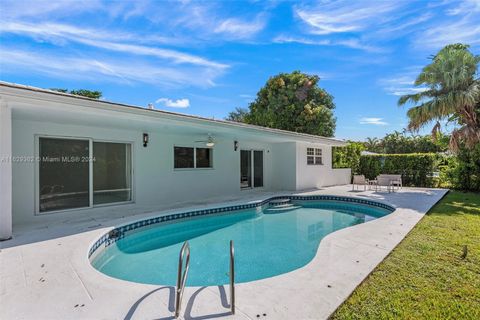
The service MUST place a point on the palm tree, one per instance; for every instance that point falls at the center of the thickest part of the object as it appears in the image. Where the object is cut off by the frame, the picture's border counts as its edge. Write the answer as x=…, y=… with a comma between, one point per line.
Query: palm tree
x=451, y=93
x=371, y=144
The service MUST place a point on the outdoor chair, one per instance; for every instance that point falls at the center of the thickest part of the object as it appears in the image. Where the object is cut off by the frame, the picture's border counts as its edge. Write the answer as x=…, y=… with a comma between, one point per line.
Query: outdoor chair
x=395, y=180
x=383, y=181
x=359, y=180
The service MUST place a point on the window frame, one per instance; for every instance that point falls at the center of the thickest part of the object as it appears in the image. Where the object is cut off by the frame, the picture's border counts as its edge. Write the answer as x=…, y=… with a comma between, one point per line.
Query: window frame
x=316, y=155
x=90, y=140
x=194, y=168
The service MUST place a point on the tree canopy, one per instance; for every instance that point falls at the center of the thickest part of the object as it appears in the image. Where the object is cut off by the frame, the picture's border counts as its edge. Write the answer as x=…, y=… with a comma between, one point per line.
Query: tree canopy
x=81, y=92
x=237, y=115
x=450, y=92
x=291, y=101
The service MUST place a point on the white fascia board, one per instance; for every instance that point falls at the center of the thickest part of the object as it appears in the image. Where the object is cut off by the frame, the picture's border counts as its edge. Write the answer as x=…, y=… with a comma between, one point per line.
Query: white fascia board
x=20, y=92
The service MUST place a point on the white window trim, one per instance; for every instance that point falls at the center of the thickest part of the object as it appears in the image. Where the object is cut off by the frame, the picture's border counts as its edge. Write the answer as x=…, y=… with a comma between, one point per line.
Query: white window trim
x=91, y=140
x=315, y=156
x=194, y=158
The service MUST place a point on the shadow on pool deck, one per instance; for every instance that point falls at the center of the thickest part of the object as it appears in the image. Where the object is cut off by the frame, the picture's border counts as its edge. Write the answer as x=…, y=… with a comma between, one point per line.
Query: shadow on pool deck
x=188, y=308
x=171, y=302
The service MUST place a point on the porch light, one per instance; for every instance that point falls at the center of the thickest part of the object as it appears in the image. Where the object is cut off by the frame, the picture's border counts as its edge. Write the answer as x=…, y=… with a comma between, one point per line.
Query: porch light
x=235, y=145
x=145, y=139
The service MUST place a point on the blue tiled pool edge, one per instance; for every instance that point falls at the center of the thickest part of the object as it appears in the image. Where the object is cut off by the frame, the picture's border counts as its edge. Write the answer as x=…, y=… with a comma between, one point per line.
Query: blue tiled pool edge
x=107, y=239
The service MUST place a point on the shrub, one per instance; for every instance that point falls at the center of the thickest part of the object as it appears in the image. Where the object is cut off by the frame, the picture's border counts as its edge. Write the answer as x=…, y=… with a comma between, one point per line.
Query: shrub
x=463, y=170
x=416, y=168
x=348, y=156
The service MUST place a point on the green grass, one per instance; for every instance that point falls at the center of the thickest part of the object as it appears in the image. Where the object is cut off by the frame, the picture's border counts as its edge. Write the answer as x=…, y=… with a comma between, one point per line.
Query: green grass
x=425, y=276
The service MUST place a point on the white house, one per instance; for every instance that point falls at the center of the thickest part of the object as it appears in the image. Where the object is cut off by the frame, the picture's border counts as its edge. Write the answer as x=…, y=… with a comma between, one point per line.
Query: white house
x=67, y=155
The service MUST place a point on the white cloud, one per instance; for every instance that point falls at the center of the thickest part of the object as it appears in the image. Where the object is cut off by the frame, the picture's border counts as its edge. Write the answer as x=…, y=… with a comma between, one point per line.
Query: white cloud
x=345, y=16
x=401, y=85
x=373, y=121
x=240, y=29
x=58, y=33
x=460, y=25
x=67, y=66
x=180, y=103
x=350, y=43
x=467, y=30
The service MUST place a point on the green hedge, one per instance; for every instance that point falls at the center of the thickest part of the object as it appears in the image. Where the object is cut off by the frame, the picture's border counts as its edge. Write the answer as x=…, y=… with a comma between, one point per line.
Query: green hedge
x=348, y=156
x=416, y=168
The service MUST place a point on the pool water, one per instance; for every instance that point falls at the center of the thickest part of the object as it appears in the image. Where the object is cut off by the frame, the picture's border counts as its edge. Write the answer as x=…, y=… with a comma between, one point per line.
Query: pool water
x=265, y=244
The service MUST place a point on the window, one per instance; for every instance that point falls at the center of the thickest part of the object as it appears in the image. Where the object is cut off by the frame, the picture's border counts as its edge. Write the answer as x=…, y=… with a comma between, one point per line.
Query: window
x=189, y=158
x=314, y=156
x=203, y=157
x=70, y=168
x=183, y=157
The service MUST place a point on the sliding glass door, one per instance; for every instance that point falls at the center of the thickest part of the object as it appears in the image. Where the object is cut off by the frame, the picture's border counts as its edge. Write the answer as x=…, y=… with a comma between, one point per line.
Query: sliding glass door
x=251, y=168
x=245, y=168
x=79, y=173
x=63, y=174
x=257, y=168
x=111, y=172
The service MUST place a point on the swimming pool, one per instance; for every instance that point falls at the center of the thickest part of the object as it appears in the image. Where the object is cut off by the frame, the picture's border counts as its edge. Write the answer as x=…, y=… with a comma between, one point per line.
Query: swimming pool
x=266, y=244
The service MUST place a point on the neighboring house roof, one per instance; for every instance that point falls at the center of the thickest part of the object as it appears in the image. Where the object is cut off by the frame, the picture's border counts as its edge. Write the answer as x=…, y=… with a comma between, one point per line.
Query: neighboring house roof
x=178, y=116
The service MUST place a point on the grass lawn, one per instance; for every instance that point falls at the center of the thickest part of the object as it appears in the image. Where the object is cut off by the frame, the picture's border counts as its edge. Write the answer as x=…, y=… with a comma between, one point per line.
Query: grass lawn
x=425, y=277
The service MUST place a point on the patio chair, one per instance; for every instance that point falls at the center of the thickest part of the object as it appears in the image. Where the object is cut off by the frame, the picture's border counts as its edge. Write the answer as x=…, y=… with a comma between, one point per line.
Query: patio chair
x=395, y=180
x=359, y=180
x=383, y=181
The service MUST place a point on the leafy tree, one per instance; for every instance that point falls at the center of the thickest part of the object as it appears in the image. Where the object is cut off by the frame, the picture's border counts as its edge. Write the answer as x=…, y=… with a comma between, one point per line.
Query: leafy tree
x=238, y=115
x=294, y=102
x=81, y=92
x=452, y=92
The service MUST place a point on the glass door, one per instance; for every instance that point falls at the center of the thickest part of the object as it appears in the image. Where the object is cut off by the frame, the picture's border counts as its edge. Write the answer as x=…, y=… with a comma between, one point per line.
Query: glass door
x=257, y=168
x=245, y=169
x=112, y=181
x=63, y=174
x=81, y=173
x=251, y=168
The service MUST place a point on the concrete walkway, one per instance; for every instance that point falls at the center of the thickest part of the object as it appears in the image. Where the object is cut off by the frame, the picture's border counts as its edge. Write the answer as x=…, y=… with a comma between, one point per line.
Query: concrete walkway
x=45, y=272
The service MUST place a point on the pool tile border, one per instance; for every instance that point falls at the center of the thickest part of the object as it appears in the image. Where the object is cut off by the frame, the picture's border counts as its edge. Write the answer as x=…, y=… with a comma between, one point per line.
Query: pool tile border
x=118, y=233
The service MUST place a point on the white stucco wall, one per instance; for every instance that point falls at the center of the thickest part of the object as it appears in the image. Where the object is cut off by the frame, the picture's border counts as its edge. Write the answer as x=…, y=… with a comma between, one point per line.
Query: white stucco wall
x=5, y=171
x=31, y=113
x=155, y=181
x=317, y=176
x=284, y=166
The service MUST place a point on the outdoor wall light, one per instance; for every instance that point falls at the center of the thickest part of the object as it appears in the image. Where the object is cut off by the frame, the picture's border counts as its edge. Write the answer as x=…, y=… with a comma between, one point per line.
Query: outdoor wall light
x=235, y=145
x=145, y=139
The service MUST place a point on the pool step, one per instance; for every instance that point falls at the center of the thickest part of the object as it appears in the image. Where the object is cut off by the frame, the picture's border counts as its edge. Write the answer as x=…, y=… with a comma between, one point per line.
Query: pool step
x=283, y=207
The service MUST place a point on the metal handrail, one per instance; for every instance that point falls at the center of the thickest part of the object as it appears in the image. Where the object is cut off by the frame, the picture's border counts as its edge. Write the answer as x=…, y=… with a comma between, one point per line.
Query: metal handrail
x=181, y=276
x=232, y=277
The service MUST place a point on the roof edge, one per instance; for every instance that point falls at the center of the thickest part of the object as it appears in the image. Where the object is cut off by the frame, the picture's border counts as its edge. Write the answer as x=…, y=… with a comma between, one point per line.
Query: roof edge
x=169, y=113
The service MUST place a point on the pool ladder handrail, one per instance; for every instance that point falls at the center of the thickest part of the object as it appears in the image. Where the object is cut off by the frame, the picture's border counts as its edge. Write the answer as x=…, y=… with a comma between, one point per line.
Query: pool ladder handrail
x=181, y=276
x=232, y=277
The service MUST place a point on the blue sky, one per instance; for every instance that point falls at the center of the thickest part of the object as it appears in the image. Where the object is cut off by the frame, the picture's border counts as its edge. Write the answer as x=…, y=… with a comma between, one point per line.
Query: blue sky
x=206, y=58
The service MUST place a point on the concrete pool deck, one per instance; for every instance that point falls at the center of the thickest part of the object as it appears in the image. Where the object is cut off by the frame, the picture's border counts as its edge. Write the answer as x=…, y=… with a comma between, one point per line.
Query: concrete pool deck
x=45, y=272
